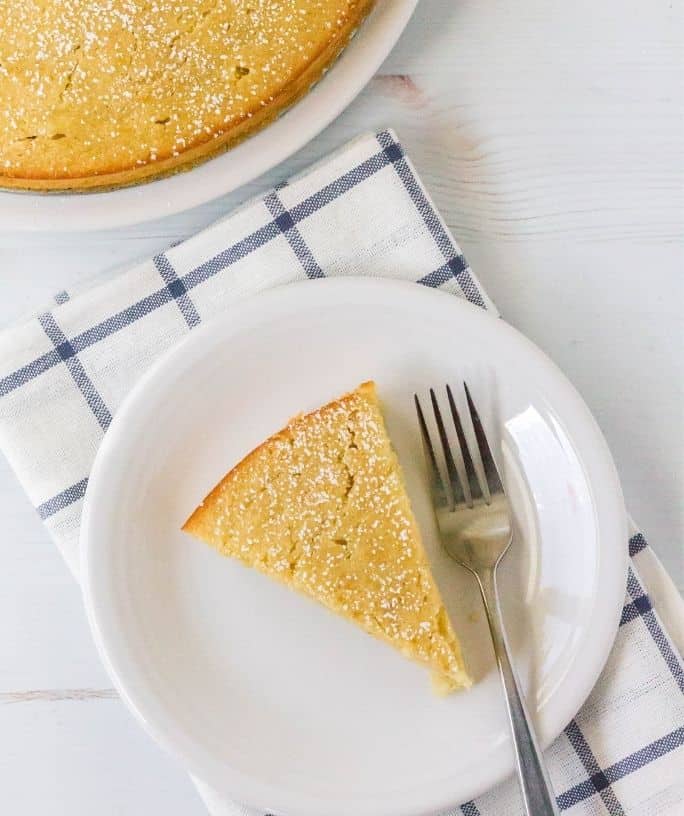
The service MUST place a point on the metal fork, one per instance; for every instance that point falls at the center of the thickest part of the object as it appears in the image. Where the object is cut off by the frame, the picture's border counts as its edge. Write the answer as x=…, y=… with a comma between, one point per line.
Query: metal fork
x=475, y=526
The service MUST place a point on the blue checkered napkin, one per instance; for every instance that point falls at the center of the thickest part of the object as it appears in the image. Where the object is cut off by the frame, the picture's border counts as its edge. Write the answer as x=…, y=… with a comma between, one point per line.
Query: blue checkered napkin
x=361, y=212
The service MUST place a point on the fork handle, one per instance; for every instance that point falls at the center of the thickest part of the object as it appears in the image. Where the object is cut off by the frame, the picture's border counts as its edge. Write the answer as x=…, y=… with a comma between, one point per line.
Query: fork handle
x=535, y=785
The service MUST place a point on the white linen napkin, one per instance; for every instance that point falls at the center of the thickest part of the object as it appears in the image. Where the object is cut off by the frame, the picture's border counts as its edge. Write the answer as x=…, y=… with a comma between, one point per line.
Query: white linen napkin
x=363, y=211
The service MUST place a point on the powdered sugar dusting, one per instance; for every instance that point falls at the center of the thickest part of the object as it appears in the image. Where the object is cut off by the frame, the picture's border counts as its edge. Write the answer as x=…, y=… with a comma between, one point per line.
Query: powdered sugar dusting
x=91, y=86
x=321, y=506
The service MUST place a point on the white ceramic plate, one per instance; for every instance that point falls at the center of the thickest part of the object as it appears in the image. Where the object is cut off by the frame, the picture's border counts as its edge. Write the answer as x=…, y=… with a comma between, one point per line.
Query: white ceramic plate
x=264, y=695
x=267, y=148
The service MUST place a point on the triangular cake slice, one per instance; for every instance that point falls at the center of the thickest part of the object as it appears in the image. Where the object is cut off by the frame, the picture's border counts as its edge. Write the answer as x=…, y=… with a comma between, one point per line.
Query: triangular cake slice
x=321, y=506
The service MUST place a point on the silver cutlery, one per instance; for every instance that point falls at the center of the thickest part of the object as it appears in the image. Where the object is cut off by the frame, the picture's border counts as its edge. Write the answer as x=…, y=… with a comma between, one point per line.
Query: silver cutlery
x=474, y=522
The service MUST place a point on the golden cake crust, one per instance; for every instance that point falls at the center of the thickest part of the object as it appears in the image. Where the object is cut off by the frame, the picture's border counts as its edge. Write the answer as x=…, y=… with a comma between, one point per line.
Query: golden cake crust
x=106, y=93
x=321, y=507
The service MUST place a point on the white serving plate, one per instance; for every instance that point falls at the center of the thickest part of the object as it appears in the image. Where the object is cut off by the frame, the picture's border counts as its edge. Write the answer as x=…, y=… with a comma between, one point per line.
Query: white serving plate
x=271, y=699
x=243, y=163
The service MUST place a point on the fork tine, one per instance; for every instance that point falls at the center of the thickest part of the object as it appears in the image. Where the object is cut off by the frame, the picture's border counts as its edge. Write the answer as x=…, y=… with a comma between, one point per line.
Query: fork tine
x=437, y=489
x=474, y=488
x=457, y=494
x=488, y=463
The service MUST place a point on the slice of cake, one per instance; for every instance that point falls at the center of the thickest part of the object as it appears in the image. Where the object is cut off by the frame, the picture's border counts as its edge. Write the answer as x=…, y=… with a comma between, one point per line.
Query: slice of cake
x=321, y=506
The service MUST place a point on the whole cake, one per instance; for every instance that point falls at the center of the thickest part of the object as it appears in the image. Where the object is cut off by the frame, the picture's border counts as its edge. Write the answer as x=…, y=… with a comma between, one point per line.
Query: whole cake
x=102, y=93
x=321, y=506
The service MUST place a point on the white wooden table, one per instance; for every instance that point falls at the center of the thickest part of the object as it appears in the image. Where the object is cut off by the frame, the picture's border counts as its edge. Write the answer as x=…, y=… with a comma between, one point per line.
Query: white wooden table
x=551, y=136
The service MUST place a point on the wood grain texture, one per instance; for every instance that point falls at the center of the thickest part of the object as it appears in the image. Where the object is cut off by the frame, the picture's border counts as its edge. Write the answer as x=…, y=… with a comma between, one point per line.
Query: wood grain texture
x=551, y=137
x=56, y=695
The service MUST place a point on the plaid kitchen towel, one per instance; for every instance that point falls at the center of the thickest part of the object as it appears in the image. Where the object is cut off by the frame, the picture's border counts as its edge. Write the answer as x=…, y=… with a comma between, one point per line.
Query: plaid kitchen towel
x=363, y=211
